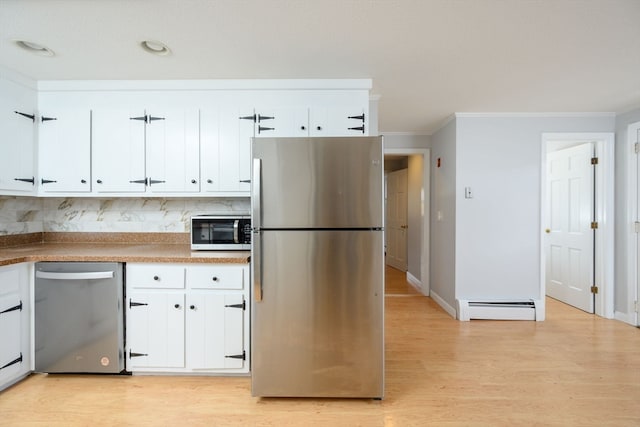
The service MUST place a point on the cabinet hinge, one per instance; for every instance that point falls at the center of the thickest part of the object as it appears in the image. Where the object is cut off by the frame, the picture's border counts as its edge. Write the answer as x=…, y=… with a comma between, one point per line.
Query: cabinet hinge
x=47, y=119
x=136, y=304
x=252, y=118
x=594, y=225
x=13, y=362
x=132, y=354
x=14, y=308
x=243, y=306
x=594, y=160
x=242, y=356
x=28, y=116
x=594, y=289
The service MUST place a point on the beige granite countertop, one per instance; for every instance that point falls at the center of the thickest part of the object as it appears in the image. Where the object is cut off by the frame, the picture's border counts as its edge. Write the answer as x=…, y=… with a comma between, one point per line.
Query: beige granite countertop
x=103, y=249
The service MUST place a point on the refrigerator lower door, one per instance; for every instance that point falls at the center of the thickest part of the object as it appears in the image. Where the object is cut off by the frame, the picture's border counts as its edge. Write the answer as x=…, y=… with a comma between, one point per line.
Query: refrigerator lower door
x=318, y=330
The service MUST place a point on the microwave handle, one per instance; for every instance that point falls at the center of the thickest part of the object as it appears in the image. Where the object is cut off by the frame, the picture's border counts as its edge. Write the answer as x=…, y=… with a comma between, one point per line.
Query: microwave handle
x=236, y=224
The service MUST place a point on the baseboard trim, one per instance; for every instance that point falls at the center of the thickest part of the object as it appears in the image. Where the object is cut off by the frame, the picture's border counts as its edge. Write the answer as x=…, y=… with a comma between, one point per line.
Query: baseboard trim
x=625, y=317
x=442, y=303
x=413, y=281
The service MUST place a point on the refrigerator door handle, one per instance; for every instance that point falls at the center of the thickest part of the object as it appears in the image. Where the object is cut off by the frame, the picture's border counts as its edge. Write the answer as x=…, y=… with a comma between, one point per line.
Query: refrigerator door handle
x=257, y=266
x=256, y=196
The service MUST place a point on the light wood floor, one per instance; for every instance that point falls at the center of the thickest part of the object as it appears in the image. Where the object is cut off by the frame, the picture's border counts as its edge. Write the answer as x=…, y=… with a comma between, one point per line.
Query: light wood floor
x=573, y=369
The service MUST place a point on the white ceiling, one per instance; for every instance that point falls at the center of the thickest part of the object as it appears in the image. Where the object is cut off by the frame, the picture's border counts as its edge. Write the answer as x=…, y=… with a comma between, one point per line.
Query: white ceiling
x=427, y=58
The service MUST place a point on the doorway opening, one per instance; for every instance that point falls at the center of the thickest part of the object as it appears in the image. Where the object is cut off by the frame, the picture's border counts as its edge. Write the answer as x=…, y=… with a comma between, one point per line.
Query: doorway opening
x=577, y=220
x=407, y=214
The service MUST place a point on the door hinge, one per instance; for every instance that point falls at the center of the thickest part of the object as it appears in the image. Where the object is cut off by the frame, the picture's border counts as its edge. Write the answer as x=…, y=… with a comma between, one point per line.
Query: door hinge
x=242, y=356
x=594, y=289
x=594, y=225
x=594, y=160
x=636, y=147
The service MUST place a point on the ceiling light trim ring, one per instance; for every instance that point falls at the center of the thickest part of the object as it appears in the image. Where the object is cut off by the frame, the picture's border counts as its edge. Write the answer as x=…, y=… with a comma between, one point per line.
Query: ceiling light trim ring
x=155, y=47
x=34, y=47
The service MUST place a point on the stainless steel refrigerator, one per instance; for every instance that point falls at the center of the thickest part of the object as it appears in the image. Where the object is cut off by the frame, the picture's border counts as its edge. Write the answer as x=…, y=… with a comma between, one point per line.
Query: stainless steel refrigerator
x=317, y=267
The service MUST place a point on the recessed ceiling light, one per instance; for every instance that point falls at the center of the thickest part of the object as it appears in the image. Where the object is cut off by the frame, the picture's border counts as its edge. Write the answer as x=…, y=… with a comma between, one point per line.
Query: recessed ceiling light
x=155, y=47
x=36, y=48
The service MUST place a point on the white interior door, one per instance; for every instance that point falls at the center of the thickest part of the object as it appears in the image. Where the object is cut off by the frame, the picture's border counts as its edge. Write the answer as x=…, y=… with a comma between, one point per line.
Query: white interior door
x=570, y=239
x=637, y=234
x=396, y=227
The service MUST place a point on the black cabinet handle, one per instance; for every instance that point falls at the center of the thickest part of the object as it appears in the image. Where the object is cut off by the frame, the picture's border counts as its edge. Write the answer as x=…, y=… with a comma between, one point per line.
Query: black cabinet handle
x=32, y=180
x=47, y=181
x=153, y=119
x=28, y=116
x=13, y=362
x=83, y=181
x=156, y=278
x=242, y=306
x=215, y=278
x=136, y=304
x=47, y=119
x=261, y=118
x=253, y=118
x=193, y=181
x=209, y=181
x=303, y=128
x=242, y=356
x=192, y=307
x=14, y=308
x=132, y=354
x=319, y=128
x=177, y=305
x=143, y=118
x=264, y=128
x=99, y=181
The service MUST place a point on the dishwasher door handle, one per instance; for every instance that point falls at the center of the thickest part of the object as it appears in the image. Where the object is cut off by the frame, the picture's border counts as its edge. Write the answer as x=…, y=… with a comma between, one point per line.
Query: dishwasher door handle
x=91, y=275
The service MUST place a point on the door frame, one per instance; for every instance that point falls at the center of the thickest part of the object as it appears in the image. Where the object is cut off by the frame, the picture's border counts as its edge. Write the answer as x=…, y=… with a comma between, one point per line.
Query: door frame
x=424, y=284
x=604, y=207
x=633, y=238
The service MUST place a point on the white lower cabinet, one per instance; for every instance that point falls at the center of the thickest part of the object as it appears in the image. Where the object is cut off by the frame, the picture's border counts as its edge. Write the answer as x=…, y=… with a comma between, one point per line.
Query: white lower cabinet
x=187, y=318
x=15, y=331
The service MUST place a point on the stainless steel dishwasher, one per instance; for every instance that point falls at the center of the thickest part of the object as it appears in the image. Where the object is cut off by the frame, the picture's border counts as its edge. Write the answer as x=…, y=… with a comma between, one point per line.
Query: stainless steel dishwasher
x=79, y=320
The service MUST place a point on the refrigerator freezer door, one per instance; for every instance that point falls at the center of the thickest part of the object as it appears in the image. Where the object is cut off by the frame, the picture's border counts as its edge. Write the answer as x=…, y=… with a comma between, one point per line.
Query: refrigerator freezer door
x=319, y=329
x=320, y=182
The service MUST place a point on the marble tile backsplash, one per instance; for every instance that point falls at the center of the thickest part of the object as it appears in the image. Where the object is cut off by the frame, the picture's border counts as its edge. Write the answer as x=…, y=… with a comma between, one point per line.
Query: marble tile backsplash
x=20, y=215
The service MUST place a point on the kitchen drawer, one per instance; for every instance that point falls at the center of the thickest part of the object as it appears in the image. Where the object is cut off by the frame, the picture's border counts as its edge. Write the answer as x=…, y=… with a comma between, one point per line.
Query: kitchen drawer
x=155, y=276
x=216, y=277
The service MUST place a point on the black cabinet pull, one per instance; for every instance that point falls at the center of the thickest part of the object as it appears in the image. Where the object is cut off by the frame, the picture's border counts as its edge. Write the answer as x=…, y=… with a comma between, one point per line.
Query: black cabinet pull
x=136, y=304
x=14, y=308
x=99, y=181
x=303, y=128
x=156, y=181
x=209, y=181
x=319, y=128
x=47, y=181
x=47, y=119
x=28, y=116
x=215, y=278
x=193, y=181
x=139, y=181
x=83, y=181
x=253, y=118
x=361, y=117
x=156, y=278
x=13, y=362
x=192, y=307
x=32, y=180
x=360, y=128
x=177, y=305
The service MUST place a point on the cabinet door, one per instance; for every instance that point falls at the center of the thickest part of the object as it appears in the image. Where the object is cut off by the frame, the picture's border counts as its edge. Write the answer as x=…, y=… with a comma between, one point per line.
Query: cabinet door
x=118, y=151
x=215, y=325
x=16, y=137
x=10, y=337
x=226, y=150
x=282, y=122
x=338, y=121
x=65, y=151
x=155, y=330
x=173, y=150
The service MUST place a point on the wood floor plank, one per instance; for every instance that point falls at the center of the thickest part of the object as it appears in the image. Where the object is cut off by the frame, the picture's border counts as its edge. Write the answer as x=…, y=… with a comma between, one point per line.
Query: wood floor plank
x=573, y=369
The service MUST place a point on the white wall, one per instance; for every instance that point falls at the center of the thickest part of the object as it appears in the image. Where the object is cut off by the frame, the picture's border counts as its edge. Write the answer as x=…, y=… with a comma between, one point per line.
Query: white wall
x=443, y=213
x=497, y=248
x=624, y=264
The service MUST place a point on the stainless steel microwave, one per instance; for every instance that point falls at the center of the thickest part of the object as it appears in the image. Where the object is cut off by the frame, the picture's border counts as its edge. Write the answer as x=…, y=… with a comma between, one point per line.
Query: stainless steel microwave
x=218, y=232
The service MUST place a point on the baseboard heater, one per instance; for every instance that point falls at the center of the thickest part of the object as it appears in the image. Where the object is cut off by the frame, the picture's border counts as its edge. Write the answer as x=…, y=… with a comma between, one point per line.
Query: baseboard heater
x=498, y=310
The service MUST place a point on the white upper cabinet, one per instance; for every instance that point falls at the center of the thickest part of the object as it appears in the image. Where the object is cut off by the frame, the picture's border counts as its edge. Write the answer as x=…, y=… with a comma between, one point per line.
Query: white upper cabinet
x=173, y=151
x=284, y=121
x=17, y=137
x=118, y=151
x=65, y=151
x=165, y=161
x=338, y=121
x=225, y=157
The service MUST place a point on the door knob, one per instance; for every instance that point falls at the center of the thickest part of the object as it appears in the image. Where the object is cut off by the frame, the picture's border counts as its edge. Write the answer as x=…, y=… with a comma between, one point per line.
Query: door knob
x=547, y=230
